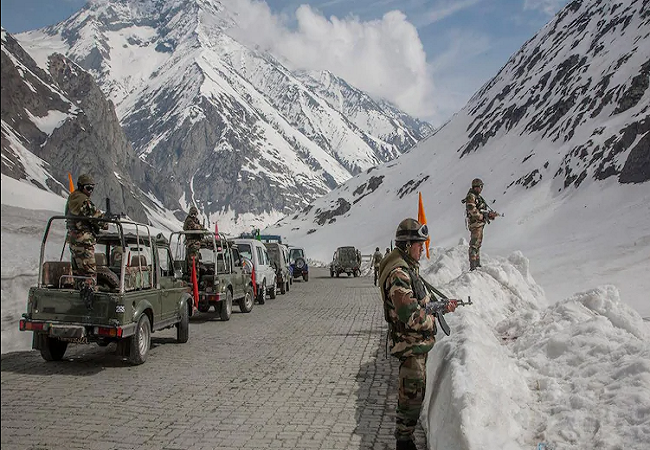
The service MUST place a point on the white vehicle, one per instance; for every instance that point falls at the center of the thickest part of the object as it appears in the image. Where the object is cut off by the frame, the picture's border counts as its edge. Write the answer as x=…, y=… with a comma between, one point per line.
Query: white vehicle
x=264, y=270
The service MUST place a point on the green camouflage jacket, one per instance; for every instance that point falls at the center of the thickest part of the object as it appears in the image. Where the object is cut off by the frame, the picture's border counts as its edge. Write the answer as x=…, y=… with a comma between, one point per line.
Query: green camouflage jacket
x=474, y=204
x=79, y=204
x=411, y=329
x=192, y=224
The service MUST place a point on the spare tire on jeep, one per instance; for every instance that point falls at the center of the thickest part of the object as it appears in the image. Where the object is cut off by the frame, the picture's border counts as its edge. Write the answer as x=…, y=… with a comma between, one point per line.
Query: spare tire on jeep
x=107, y=278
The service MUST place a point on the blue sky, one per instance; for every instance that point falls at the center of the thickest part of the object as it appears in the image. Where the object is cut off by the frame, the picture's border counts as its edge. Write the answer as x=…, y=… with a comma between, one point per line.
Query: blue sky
x=426, y=56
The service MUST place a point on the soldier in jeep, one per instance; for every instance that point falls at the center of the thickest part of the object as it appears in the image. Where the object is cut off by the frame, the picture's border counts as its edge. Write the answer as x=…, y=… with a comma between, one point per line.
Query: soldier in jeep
x=82, y=234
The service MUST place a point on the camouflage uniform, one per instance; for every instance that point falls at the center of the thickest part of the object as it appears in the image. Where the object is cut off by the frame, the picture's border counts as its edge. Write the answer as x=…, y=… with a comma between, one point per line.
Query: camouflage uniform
x=82, y=235
x=474, y=204
x=192, y=242
x=411, y=334
x=376, y=260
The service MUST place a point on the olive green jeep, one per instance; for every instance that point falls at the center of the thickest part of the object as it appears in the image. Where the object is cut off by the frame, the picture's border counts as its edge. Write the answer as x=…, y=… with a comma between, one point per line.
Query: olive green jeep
x=136, y=293
x=221, y=274
x=346, y=260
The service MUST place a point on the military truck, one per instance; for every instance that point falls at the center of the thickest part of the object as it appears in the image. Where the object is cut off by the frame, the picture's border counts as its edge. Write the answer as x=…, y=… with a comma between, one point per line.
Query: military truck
x=137, y=293
x=220, y=271
x=346, y=260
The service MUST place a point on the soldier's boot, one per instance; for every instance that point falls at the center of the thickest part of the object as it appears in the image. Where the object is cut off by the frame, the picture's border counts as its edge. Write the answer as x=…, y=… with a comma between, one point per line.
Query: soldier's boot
x=472, y=265
x=406, y=445
x=478, y=263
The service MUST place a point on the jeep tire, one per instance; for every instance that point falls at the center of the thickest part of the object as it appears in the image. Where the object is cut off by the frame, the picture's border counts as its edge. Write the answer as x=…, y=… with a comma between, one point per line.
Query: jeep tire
x=246, y=302
x=225, y=307
x=140, y=341
x=261, y=294
x=183, y=325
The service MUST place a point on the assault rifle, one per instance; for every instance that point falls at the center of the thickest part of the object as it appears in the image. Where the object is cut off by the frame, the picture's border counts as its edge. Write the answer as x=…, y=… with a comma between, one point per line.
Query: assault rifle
x=439, y=307
x=487, y=211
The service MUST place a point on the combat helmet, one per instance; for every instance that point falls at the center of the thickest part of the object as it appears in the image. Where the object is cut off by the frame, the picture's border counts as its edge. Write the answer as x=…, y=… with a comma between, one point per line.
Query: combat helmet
x=410, y=230
x=194, y=211
x=85, y=179
x=477, y=182
x=377, y=249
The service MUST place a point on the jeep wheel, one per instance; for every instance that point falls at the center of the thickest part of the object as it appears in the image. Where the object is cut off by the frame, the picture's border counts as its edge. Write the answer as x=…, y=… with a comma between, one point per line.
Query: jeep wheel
x=287, y=283
x=225, y=308
x=305, y=276
x=140, y=341
x=283, y=287
x=261, y=294
x=273, y=292
x=53, y=349
x=338, y=274
x=183, y=325
x=331, y=274
x=246, y=303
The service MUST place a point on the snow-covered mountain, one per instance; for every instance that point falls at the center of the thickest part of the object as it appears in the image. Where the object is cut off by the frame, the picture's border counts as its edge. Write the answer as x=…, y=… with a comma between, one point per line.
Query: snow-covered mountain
x=231, y=129
x=561, y=138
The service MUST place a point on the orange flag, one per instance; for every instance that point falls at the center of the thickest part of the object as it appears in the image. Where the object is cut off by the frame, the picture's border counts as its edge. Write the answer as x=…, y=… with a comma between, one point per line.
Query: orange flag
x=71, y=183
x=422, y=218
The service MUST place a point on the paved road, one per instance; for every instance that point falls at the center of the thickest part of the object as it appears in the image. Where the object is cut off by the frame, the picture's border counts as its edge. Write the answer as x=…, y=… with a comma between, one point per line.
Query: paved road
x=306, y=370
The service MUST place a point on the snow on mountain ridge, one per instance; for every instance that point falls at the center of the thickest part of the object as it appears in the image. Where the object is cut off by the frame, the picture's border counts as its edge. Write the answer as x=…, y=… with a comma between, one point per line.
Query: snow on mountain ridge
x=184, y=88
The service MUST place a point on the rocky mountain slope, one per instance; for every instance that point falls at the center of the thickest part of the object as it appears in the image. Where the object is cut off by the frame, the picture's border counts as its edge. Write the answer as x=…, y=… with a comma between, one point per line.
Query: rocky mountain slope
x=57, y=122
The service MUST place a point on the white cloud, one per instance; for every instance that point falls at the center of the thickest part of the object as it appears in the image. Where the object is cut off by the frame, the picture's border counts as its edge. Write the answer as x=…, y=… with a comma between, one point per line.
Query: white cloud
x=444, y=9
x=383, y=57
x=549, y=7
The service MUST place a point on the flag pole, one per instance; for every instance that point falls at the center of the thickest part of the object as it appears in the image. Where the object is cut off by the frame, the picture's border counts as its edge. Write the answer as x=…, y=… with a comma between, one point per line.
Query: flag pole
x=422, y=218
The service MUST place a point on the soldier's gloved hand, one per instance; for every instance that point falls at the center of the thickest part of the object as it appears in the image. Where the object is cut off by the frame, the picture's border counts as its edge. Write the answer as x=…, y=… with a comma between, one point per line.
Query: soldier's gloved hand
x=492, y=215
x=452, y=305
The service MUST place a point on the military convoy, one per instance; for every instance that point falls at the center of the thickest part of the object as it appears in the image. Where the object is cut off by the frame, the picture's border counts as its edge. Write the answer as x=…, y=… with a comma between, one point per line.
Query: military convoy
x=146, y=283
x=138, y=293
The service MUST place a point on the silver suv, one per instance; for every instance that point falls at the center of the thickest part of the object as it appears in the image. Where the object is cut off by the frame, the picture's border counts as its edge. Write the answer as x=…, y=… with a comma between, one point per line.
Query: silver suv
x=265, y=279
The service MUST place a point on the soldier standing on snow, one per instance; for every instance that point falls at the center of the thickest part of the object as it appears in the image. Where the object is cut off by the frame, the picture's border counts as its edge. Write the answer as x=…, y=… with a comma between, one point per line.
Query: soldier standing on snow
x=82, y=234
x=478, y=214
x=411, y=331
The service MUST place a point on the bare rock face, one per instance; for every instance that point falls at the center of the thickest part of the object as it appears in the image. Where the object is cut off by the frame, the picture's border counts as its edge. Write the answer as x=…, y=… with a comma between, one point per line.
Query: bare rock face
x=63, y=118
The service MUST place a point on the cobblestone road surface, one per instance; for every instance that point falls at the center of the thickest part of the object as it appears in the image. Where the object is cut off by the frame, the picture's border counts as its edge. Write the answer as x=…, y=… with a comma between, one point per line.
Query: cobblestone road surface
x=307, y=370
